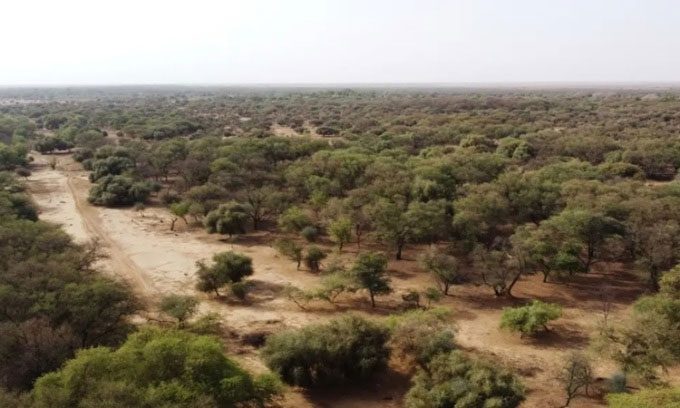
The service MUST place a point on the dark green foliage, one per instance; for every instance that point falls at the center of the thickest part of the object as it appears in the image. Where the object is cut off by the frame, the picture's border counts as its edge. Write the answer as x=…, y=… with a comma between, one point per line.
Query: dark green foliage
x=50, y=144
x=228, y=267
x=346, y=350
x=119, y=191
x=453, y=380
x=52, y=301
x=153, y=368
x=228, y=219
x=368, y=272
x=313, y=257
x=112, y=165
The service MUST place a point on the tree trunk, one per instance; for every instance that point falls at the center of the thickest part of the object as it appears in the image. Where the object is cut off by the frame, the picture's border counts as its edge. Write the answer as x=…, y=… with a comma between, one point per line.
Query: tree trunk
x=372, y=298
x=400, y=246
x=446, y=289
x=512, y=284
x=172, y=224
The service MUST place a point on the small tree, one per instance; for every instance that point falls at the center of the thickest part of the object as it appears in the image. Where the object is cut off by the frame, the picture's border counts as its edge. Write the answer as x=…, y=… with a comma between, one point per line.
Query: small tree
x=179, y=307
x=576, y=375
x=313, y=258
x=290, y=249
x=310, y=233
x=228, y=219
x=345, y=350
x=531, y=318
x=369, y=273
x=294, y=219
x=453, y=380
x=179, y=210
x=444, y=268
x=228, y=267
x=340, y=231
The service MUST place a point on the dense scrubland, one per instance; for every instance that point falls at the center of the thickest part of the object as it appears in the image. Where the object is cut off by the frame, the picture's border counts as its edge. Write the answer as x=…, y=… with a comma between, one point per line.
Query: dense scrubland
x=485, y=188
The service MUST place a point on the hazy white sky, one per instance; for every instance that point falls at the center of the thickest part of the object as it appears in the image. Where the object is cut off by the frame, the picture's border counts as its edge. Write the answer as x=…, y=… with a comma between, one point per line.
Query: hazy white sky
x=338, y=41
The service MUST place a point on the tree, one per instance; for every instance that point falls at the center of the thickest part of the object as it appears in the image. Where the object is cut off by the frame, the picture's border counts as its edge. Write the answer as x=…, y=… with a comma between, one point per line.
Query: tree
x=179, y=210
x=262, y=203
x=499, y=269
x=418, y=336
x=368, y=272
x=228, y=267
x=154, y=368
x=340, y=231
x=586, y=230
x=349, y=349
x=227, y=219
x=453, y=380
x=531, y=318
x=313, y=258
x=444, y=268
x=290, y=249
x=179, y=307
x=117, y=191
x=576, y=375
x=294, y=219
x=399, y=224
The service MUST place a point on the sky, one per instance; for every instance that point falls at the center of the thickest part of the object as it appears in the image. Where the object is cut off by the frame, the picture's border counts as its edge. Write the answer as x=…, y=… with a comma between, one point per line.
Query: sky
x=90, y=42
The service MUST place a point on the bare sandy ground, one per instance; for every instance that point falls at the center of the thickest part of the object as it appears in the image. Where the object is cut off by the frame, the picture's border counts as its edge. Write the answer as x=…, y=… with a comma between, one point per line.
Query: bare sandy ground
x=156, y=261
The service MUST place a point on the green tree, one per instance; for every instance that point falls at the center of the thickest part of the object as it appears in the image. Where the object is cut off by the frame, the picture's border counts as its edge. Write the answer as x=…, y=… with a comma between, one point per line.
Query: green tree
x=444, y=268
x=313, y=258
x=153, y=368
x=179, y=210
x=340, y=231
x=227, y=219
x=290, y=249
x=531, y=318
x=228, y=267
x=453, y=380
x=369, y=272
x=345, y=350
x=179, y=307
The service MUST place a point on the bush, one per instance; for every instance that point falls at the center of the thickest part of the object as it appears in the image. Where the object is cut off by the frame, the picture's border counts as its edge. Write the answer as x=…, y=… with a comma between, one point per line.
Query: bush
x=294, y=219
x=228, y=267
x=154, y=368
x=228, y=219
x=453, y=380
x=179, y=307
x=646, y=398
x=310, y=233
x=531, y=318
x=418, y=336
x=112, y=165
x=345, y=350
x=313, y=258
x=116, y=191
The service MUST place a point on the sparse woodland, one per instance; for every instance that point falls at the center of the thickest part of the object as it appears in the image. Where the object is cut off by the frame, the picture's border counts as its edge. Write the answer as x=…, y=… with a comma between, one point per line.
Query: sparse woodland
x=472, y=189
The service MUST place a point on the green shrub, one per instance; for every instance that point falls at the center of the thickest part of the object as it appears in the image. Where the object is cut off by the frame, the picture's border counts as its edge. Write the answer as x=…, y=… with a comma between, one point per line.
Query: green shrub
x=153, y=368
x=646, y=398
x=345, y=350
x=531, y=318
x=310, y=233
x=313, y=258
x=116, y=191
x=228, y=267
x=454, y=380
